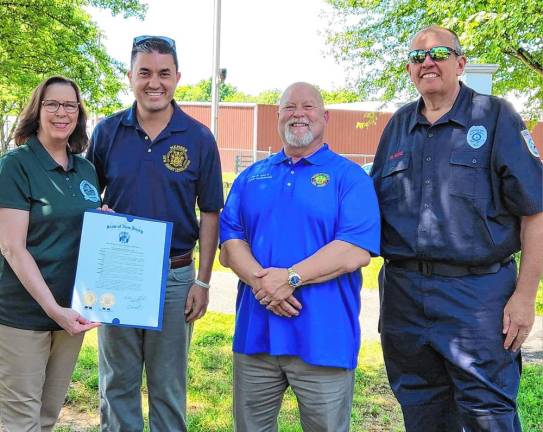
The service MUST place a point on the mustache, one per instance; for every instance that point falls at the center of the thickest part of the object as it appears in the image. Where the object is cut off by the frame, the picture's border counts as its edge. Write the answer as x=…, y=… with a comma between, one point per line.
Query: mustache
x=303, y=120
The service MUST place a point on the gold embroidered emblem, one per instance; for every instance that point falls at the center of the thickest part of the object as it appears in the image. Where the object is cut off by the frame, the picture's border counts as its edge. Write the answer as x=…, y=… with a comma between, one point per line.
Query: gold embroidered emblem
x=176, y=159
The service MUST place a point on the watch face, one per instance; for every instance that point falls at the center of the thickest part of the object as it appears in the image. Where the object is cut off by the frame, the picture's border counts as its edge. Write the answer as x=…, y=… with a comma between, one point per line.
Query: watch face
x=294, y=280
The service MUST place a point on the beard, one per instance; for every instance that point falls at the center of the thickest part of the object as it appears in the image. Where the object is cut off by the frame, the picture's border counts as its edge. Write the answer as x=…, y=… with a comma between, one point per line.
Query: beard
x=295, y=140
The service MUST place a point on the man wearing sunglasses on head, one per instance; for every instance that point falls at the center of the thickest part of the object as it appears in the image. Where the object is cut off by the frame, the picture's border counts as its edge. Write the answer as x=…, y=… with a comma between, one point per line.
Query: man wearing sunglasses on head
x=459, y=182
x=155, y=161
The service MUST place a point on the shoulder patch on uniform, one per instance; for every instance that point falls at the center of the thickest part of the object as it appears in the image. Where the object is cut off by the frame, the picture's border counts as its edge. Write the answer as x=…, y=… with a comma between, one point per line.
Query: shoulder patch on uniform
x=89, y=191
x=176, y=159
x=529, y=142
x=320, y=179
x=476, y=137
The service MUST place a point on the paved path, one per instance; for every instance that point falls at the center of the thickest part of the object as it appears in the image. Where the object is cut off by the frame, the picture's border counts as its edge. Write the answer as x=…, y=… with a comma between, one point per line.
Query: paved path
x=223, y=299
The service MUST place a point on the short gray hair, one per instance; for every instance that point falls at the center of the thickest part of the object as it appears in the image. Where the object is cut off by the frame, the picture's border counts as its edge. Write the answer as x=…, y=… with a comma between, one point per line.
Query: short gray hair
x=437, y=29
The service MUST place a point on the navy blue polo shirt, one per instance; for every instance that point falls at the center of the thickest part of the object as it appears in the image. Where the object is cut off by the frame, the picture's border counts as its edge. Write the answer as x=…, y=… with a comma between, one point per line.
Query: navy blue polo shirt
x=456, y=190
x=160, y=179
x=286, y=212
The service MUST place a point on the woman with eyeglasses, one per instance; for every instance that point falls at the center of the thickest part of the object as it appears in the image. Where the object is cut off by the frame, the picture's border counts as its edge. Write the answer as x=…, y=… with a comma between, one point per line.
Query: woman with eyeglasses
x=45, y=188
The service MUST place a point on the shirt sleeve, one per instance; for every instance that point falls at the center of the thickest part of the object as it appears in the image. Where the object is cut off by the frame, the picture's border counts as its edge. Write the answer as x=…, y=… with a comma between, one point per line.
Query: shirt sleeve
x=517, y=165
x=231, y=226
x=15, y=190
x=209, y=187
x=359, y=222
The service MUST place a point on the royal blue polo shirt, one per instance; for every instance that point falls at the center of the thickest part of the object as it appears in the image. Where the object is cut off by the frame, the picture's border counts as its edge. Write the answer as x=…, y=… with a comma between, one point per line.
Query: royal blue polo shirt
x=456, y=190
x=160, y=179
x=286, y=212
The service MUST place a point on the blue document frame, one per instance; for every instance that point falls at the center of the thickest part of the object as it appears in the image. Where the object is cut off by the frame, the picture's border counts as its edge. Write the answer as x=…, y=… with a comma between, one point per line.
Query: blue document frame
x=122, y=269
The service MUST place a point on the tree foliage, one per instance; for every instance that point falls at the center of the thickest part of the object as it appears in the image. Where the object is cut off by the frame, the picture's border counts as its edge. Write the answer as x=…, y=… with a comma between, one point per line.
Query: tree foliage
x=373, y=37
x=40, y=38
x=201, y=92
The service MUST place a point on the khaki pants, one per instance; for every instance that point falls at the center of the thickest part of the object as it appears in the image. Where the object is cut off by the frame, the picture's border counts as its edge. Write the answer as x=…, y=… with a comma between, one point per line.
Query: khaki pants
x=35, y=372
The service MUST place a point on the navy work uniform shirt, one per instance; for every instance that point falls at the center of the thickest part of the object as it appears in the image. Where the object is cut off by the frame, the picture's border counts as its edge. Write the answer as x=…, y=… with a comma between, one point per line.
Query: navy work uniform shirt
x=455, y=191
x=286, y=212
x=160, y=179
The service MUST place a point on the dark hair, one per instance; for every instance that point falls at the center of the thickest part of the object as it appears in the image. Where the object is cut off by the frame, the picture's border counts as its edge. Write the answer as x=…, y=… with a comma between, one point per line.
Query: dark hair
x=150, y=45
x=30, y=117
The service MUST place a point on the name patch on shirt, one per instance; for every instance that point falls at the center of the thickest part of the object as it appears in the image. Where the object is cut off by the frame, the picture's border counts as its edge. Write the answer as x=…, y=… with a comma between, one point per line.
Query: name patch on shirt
x=476, y=136
x=259, y=177
x=529, y=142
x=320, y=179
x=176, y=159
x=89, y=191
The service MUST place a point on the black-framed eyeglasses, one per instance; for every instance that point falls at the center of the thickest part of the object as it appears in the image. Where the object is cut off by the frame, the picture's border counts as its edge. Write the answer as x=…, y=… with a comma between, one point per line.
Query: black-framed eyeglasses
x=138, y=40
x=52, y=106
x=438, y=53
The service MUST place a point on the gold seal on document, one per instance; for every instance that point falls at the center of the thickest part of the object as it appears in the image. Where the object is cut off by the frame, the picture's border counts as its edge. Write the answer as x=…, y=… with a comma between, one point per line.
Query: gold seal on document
x=89, y=298
x=107, y=301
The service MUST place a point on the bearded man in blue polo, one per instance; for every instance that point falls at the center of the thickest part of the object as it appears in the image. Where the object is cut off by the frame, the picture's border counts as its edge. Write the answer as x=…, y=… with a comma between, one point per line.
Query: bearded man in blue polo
x=296, y=228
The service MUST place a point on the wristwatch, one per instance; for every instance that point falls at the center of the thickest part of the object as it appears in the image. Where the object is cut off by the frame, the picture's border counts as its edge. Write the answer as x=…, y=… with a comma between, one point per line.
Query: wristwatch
x=294, y=279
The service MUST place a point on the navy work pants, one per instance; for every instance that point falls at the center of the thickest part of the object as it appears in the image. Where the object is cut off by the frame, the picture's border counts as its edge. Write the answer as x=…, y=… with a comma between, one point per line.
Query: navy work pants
x=443, y=346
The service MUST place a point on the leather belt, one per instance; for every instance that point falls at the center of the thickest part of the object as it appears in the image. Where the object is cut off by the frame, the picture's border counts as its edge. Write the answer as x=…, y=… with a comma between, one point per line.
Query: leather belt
x=181, y=260
x=429, y=268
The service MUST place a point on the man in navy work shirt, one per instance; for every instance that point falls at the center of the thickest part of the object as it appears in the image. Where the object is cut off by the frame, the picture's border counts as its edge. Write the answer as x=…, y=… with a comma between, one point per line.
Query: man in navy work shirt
x=296, y=229
x=459, y=182
x=155, y=161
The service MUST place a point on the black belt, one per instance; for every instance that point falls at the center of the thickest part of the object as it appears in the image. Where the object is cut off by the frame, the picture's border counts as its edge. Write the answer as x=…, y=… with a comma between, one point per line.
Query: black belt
x=181, y=260
x=429, y=268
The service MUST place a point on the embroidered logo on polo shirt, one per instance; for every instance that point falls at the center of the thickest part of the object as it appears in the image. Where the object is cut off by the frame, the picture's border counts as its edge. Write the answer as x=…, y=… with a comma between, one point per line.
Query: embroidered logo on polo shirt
x=476, y=136
x=89, y=191
x=320, y=179
x=529, y=142
x=176, y=159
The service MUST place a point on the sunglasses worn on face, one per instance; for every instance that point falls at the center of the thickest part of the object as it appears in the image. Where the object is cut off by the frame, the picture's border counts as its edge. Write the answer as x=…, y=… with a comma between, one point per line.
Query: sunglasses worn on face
x=138, y=40
x=438, y=53
x=52, y=106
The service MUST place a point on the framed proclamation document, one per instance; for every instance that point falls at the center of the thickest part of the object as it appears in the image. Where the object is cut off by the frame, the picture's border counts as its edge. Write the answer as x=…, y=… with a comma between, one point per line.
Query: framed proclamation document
x=122, y=269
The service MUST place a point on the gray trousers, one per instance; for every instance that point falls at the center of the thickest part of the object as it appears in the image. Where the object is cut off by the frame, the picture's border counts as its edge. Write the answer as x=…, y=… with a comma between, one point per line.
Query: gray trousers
x=123, y=352
x=324, y=394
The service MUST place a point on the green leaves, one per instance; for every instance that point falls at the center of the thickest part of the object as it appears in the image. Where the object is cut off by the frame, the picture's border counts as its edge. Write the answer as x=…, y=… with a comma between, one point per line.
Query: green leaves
x=40, y=38
x=373, y=37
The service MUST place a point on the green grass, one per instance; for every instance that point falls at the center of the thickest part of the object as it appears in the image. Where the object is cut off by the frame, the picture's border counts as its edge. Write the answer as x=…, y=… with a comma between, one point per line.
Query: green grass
x=210, y=387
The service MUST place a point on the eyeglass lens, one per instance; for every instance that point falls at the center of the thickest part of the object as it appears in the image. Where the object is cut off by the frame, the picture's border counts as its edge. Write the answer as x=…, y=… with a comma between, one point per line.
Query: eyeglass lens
x=53, y=106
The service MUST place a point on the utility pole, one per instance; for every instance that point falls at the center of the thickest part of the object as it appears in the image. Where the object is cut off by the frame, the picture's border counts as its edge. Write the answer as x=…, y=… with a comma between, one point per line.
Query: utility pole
x=216, y=76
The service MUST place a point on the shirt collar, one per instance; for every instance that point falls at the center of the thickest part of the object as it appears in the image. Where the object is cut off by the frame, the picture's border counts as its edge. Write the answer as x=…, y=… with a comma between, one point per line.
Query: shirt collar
x=457, y=114
x=45, y=158
x=321, y=156
x=178, y=121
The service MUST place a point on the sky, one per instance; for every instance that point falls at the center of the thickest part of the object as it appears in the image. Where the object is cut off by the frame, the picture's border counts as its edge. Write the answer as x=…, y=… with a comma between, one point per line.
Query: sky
x=264, y=44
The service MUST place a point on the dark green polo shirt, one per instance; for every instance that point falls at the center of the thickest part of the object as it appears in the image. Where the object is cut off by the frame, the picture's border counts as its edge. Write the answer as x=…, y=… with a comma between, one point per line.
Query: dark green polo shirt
x=31, y=180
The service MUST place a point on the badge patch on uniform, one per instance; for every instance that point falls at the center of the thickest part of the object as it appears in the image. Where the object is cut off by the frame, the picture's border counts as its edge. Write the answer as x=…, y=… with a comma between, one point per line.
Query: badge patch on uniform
x=476, y=136
x=89, y=191
x=320, y=179
x=176, y=159
x=529, y=142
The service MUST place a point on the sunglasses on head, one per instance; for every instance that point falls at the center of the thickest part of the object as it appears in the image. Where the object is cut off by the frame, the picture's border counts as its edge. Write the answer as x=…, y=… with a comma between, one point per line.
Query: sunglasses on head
x=438, y=53
x=139, y=40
